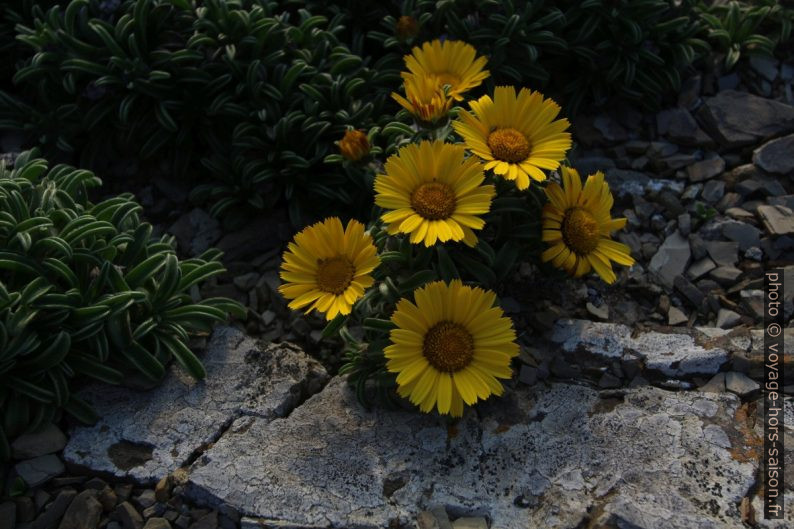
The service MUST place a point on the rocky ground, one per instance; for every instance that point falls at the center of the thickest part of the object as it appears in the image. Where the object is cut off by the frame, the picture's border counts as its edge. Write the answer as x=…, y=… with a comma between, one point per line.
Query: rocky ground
x=650, y=420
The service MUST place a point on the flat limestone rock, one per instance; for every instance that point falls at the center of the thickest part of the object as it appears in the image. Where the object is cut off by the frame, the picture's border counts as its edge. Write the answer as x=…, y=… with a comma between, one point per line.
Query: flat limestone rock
x=146, y=435
x=554, y=456
x=738, y=118
x=672, y=354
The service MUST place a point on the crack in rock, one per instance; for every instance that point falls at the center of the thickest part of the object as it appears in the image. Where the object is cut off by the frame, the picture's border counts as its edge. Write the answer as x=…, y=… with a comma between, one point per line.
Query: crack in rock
x=556, y=456
x=146, y=435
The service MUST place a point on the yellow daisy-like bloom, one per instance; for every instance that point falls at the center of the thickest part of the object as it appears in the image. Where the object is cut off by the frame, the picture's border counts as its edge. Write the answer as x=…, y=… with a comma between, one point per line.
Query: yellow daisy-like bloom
x=425, y=99
x=450, y=347
x=516, y=135
x=434, y=193
x=452, y=62
x=328, y=268
x=578, y=226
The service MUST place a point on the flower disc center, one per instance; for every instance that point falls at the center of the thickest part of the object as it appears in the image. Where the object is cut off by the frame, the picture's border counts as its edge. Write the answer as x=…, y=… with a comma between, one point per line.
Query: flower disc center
x=335, y=274
x=448, y=346
x=434, y=201
x=580, y=231
x=509, y=145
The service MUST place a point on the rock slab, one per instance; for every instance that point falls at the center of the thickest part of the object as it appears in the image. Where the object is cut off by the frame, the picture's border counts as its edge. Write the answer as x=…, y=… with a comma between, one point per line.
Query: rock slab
x=671, y=354
x=557, y=456
x=147, y=435
x=736, y=118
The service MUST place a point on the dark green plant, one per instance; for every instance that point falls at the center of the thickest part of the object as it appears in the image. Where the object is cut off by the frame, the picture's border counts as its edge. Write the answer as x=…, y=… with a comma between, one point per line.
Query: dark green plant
x=580, y=52
x=13, y=12
x=234, y=94
x=734, y=28
x=86, y=291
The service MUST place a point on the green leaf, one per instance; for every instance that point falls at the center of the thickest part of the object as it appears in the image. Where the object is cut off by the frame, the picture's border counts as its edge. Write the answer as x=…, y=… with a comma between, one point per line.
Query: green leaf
x=146, y=269
x=377, y=324
x=185, y=357
x=417, y=280
x=334, y=325
x=80, y=410
x=94, y=368
x=34, y=391
x=446, y=267
x=481, y=272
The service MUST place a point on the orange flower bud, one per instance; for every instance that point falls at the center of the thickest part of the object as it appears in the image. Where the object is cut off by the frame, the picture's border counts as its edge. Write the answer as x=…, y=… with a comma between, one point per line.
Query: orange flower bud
x=407, y=27
x=354, y=146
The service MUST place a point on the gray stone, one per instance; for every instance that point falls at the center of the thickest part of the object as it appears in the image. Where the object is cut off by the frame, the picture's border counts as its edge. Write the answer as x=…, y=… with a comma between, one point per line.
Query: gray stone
x=737, y=118
x=745, y=234
x=678, y=125
x=128, y=516
x=8, y=515
x=39, y=470
x=528, y=375
x=83, y=513
x=48, y=440
x=726, y=275
x=776, y=156
x=715, y=385
x=247, y=281
x=671, y=259
x=157, y=523
x=676, y=316
x=728, y=82
x=196, y=231
x=257, y=237
x=146, y=435
x=661, y=149
x=727, y=319
x=740, y=383
x=146, y=498
x=778, y=220
x=700, y=268
x=609, y=381
x=470, y=522
x=426, y=520
x=624, y=183
x=705, y=169
x=636, y=461
x=713, y=190
x=767, y=67
x=671, y=354
x=50, y=517
x=208, y=521
x=722, y=252
x=685, y=224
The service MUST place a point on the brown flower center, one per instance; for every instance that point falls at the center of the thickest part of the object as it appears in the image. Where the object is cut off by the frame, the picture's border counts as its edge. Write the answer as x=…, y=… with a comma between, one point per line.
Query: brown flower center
x=580, y=231
x=509, y=145
x=335, y=274
x=434, y=201
x=448, y=346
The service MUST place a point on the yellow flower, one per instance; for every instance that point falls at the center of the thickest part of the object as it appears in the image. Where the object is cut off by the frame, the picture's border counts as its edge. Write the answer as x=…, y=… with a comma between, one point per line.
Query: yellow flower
x=328, y=268
x=450, y=347
x=577, y=225
x=354, y=145
x=451, y=62
x=517, y=136
x=425, y=99
x=434, y=193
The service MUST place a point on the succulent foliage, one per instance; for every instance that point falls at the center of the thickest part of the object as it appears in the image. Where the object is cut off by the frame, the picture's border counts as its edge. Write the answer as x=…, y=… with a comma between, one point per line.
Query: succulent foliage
x=85, y=290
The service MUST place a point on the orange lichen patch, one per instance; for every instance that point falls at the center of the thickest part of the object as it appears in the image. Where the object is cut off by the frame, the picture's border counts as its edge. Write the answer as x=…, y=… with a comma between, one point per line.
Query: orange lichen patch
x=746, y=446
